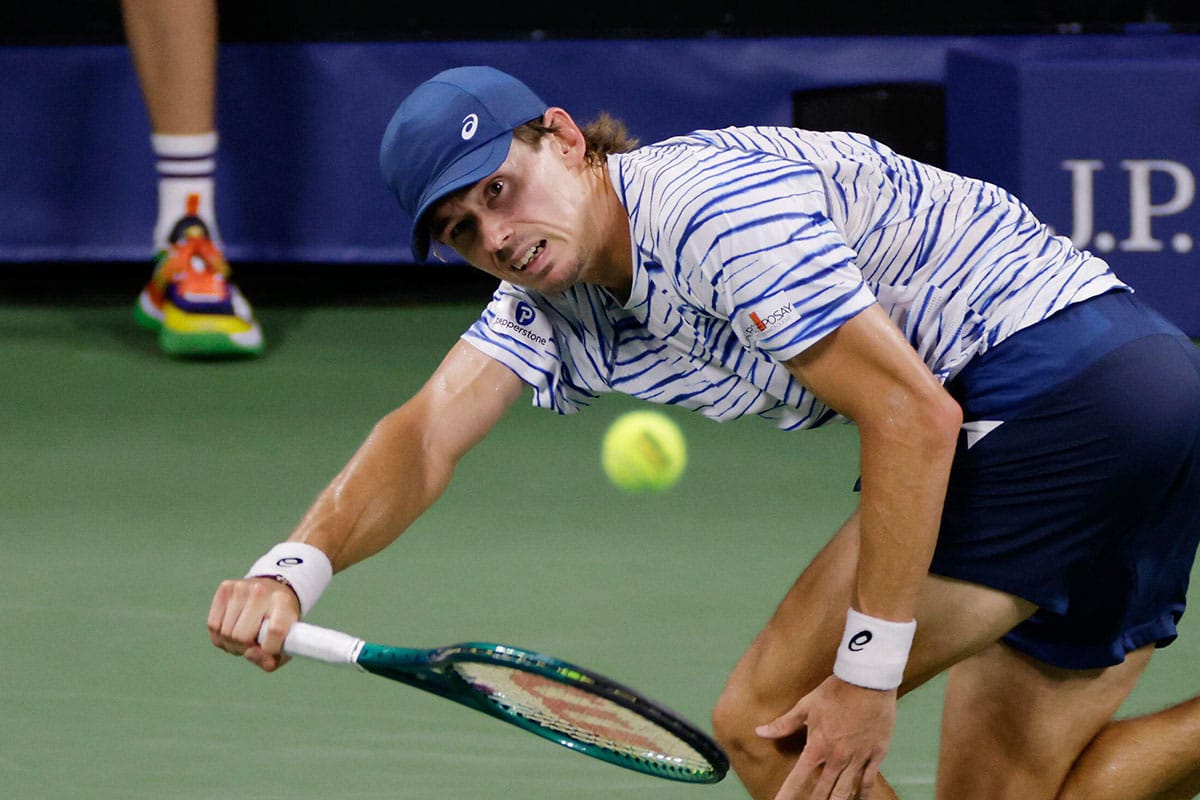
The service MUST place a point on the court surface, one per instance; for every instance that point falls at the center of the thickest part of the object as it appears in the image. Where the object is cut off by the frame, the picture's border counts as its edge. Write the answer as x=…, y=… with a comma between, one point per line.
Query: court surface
x=131, y=484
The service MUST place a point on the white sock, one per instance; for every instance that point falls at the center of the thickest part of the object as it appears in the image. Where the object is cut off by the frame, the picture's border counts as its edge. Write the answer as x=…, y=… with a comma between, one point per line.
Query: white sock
x=186, y=164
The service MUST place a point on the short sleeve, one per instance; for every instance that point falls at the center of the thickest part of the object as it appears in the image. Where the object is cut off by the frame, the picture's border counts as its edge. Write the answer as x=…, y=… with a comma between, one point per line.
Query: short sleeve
x=516, y=330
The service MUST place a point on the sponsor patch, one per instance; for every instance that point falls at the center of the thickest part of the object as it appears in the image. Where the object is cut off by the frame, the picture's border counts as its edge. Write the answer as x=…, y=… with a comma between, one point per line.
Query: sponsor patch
x=766, y=317
x=522, y=320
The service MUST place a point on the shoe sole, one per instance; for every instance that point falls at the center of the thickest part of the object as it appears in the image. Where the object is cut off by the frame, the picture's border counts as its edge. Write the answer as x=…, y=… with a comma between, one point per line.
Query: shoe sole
x=209, y=345
x=145, y=315
x=199, y=343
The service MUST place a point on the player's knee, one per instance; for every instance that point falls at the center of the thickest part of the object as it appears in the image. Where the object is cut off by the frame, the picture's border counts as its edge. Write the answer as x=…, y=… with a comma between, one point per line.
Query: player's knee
x=735, y=716
x=724, y=722
x=1091, y=783
x=728, y=722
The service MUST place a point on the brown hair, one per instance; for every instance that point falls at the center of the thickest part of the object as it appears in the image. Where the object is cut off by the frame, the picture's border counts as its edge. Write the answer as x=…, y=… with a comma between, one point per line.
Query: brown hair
x=605, y=135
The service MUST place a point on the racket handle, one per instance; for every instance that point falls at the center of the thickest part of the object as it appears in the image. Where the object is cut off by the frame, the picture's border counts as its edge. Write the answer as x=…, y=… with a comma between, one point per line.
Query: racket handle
x=322, y=644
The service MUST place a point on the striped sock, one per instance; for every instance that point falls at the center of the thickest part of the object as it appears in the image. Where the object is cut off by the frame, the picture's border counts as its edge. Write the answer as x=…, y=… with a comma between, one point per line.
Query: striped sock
x=186, y=166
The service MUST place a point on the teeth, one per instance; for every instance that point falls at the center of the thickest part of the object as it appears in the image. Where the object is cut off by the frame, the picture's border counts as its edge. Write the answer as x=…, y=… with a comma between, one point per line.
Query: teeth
x=524, y=262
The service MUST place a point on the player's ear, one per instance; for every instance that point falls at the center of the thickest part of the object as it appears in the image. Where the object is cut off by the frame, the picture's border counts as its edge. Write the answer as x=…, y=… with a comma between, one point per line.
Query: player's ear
x=568, y=136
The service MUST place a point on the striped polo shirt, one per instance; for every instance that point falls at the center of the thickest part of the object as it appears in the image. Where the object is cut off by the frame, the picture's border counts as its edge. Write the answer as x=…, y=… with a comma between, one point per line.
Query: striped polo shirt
x=751, y=244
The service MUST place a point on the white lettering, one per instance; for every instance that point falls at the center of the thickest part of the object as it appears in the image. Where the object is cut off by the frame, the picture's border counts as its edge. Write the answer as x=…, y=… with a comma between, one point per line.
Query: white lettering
x=1082, y=203
x=1142, y=210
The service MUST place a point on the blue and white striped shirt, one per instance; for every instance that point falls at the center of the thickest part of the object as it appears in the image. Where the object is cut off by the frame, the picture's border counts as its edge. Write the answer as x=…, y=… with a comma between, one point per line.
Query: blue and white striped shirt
x=751, y=244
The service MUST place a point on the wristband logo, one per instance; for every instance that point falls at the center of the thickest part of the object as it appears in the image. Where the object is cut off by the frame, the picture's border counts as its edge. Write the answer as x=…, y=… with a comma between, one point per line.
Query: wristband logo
x=858, y=641
x=289, y=561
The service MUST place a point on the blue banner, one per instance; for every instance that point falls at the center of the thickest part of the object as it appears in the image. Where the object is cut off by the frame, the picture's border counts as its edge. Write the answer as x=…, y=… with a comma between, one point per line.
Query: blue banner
x=1097, y=133
x=1106, y=150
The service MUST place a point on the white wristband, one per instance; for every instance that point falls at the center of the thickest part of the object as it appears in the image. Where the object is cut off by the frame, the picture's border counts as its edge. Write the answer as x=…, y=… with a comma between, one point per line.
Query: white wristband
x=873, y=651
x=305, y=568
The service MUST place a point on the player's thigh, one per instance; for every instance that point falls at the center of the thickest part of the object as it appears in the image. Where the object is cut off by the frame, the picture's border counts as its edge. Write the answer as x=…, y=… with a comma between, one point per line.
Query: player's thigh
x=795, y=650
x=1012, y=726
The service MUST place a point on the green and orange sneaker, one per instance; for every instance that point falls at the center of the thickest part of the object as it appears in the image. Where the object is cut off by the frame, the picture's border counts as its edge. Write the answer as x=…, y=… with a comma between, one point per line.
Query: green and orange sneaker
x=191, y=303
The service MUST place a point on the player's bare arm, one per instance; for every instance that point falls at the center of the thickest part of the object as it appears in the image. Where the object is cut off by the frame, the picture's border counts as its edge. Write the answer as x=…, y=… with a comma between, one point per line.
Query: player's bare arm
x=408, y=459
x=398, y=472
x=908, y=427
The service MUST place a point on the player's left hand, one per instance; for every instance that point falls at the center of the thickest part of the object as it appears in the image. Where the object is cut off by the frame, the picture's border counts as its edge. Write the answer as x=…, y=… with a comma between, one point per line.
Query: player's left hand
x=848, y=730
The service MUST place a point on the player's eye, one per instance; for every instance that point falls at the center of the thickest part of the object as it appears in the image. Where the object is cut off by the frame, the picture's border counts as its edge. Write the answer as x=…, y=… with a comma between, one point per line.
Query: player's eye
x=494, y=188
x=458, y=231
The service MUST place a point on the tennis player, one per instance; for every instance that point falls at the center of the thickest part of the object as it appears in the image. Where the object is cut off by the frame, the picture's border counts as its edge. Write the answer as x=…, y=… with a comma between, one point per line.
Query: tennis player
x=1029, y=429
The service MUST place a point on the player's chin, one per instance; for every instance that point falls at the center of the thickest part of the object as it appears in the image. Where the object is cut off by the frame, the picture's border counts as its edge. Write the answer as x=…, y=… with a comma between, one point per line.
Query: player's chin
x=552, y=281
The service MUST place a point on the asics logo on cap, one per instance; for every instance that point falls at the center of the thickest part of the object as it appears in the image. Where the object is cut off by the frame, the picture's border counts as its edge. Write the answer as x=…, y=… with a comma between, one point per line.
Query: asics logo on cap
x=451, y=131
x=470, y=125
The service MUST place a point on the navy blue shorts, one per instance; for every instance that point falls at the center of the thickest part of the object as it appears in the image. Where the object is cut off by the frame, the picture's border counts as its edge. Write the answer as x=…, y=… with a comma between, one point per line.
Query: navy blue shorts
x=1085, y=498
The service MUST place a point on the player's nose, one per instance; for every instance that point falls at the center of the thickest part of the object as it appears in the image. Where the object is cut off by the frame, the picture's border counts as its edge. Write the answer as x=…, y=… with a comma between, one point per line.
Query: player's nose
x=496, y=234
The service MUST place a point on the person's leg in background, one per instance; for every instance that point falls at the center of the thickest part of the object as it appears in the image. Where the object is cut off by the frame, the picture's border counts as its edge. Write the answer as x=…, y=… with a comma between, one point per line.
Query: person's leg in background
x=190, y=300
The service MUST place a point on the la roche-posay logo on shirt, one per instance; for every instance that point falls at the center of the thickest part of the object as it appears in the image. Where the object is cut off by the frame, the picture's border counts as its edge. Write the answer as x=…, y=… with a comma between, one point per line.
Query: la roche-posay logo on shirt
x=766, y=317
x=521, y=319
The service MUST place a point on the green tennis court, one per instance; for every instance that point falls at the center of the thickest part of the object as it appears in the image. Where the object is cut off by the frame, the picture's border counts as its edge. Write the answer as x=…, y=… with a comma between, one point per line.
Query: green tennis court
x=130, y=485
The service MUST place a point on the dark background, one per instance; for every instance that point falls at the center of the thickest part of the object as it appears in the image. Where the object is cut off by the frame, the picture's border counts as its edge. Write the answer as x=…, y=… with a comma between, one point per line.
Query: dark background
x=98, y=22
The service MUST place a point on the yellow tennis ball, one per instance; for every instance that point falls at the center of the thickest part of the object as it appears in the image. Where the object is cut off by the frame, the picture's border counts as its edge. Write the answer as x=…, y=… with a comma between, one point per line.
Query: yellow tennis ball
x=644, y=451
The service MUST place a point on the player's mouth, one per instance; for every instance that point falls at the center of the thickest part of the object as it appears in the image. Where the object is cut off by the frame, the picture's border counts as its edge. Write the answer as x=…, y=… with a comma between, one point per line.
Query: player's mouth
x=533, y=252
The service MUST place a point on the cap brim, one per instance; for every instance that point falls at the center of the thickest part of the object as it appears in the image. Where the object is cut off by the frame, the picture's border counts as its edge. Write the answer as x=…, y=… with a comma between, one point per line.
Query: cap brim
x=471, y=168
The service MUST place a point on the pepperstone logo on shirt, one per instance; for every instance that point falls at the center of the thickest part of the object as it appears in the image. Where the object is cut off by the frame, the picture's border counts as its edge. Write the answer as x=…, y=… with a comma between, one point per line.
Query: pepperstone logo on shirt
x=522, y=320
x=766, y=317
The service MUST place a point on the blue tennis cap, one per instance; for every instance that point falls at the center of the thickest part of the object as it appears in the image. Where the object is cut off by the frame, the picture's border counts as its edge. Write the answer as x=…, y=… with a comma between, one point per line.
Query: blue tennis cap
x=453, y=130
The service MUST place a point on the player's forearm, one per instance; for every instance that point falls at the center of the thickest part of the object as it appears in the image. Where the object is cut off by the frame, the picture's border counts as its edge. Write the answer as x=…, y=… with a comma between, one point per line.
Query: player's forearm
x=407, y=461
x=906, y=459
x=390, y=481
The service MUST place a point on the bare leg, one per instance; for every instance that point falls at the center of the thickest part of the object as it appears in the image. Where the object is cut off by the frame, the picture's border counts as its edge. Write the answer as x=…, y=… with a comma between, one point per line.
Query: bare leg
x=1155, y=757
x=1012, y=726
x=795, y=652
x=189, y=301
x=174, y=50
x=173, y=46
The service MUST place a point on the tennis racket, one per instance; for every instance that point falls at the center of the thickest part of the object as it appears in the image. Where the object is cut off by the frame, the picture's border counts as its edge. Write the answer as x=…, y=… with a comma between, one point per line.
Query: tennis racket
x=566, y=704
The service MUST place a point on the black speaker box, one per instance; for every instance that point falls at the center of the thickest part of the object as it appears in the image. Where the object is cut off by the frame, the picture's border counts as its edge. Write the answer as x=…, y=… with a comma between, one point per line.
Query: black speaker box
x=910, y=118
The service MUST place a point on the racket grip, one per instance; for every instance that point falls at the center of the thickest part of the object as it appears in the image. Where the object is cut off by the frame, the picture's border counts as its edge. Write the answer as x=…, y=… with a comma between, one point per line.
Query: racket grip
x=322, y=644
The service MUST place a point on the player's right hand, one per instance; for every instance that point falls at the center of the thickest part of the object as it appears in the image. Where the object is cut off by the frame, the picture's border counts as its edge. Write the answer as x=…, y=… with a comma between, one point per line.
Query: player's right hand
x=239, y=609
x=847, y=729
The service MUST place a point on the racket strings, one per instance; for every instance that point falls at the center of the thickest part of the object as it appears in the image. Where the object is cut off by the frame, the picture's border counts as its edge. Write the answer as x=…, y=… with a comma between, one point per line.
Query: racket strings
x=583, y=716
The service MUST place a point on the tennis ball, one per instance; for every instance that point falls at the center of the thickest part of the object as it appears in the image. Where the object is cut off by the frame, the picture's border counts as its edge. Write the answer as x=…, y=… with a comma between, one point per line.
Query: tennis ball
x=643, y=451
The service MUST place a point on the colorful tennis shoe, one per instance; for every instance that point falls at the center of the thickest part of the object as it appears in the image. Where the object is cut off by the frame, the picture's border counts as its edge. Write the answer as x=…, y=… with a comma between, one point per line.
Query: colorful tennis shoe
x=191, y=302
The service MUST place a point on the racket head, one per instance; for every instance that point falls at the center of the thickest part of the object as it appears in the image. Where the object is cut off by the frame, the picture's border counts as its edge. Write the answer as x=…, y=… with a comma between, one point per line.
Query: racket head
x=561, y=702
